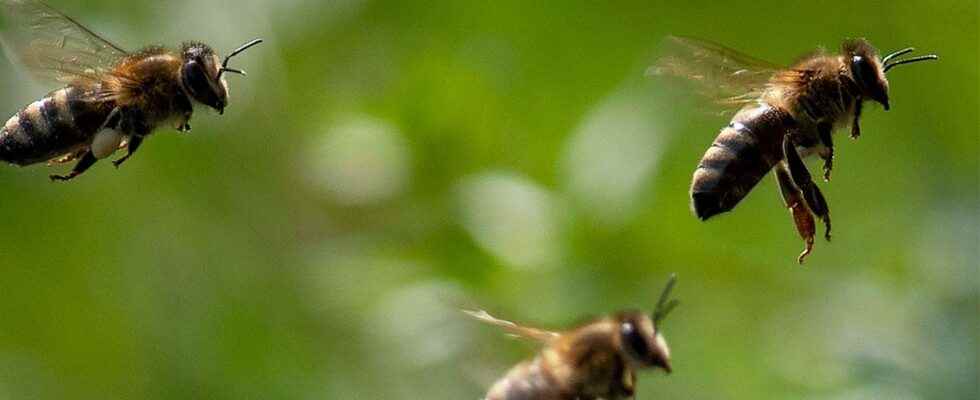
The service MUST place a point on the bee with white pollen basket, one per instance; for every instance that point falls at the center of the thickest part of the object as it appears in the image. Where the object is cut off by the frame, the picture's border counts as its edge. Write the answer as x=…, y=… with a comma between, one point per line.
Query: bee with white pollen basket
x=112, y=98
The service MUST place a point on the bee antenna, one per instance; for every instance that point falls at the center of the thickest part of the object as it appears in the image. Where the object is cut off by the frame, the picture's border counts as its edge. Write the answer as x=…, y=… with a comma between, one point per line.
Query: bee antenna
x=665, y=306
x=910, y=60
x=239, y=50
x=234, y=71
x=896, y=54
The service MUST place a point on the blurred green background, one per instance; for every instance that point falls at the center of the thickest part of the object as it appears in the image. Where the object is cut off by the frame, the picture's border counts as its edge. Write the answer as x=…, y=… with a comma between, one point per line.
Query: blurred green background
x=387, y=163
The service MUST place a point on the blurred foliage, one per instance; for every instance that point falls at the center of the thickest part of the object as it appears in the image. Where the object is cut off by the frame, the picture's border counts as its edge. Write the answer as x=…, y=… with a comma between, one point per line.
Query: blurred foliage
x=387, y=163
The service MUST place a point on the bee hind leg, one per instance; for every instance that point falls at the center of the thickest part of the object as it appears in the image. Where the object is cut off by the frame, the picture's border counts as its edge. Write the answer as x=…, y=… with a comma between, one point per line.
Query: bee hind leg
x=84, y=164
x=134, y=144
x=802, y=217
x=801, y=177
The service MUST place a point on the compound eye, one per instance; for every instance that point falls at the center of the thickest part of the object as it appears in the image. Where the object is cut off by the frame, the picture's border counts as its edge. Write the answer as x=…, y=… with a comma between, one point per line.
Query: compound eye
x=867, y=77
x=863, y=71
x=634, y=342
x=195, y=79
x=856, y=69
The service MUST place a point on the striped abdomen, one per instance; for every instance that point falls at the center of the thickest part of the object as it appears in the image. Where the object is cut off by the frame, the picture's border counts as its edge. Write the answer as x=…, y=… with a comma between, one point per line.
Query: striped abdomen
x=742, y=154
x=63, y=122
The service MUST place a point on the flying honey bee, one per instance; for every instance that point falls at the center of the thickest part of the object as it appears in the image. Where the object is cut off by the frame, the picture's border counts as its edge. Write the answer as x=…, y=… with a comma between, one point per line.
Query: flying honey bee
x=113, y=98
x=784, y=115
x=597, y=360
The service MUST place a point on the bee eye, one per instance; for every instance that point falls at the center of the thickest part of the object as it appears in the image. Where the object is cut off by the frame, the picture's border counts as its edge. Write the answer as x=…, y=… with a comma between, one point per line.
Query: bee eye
x=634, y=342
x=194, y=77
x=867, y=77
x=863, y=71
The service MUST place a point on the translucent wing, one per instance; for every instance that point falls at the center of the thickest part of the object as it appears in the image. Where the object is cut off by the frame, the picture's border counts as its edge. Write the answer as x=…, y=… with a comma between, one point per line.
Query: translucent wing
x=53, y=46
x=512, y=328
x=723, y=75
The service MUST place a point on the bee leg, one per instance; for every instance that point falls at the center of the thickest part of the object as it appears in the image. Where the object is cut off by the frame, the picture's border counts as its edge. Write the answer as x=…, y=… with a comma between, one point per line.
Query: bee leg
x=133, y=123
x=187, y=109
x=625, y=386
x=87, y=160
x=802, y=216
x=112, y=121
x=801, y=177
x=824, y=130
x=184, y=126
x=856, y=125
x=134, y=144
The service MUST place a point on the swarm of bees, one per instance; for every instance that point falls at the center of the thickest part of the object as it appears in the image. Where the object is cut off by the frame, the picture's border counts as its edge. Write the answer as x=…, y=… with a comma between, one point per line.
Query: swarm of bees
x=597, y=360
x=113, y=98
x=784, y=115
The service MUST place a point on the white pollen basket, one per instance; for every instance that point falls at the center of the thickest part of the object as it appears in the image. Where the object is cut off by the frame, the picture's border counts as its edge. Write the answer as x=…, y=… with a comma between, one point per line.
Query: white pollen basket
x=106, y=142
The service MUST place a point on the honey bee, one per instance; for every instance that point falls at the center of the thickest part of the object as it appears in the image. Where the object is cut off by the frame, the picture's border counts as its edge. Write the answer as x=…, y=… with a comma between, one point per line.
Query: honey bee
x=595, y=361
x=784, y=115
x=113, y=98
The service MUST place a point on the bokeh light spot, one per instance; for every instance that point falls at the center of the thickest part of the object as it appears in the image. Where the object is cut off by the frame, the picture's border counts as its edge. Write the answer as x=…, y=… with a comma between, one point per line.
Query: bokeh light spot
x=360, y=161
x=511, y=217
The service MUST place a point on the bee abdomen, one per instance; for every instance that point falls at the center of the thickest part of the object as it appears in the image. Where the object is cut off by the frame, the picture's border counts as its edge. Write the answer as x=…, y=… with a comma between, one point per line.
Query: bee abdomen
x=742, y=154
x=60, y=123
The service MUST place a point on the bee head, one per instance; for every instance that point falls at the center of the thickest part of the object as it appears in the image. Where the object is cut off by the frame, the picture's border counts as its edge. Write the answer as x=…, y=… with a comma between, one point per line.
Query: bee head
x=641, y=343
x=640, y=336
x=201, y=75
x=868, y=70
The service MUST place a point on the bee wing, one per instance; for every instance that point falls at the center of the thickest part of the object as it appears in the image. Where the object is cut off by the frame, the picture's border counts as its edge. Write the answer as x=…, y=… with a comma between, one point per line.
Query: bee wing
x=52, y=45
x=724, y=76
x=512, y=328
